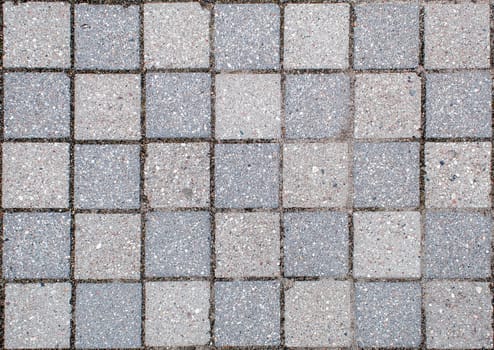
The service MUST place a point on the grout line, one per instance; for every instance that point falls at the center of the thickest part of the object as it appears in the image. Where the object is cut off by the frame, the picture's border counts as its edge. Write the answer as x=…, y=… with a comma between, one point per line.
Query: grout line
x=491, y=61
x=2, y=282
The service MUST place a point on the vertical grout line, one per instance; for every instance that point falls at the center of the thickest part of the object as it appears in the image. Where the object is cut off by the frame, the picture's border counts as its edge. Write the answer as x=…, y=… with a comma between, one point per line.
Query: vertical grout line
x=2, y=284
x=491, y=64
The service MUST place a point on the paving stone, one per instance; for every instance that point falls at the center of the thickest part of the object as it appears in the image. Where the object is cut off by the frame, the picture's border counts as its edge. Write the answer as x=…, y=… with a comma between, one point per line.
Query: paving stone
x=317, y=105
x=318, y=313
x=107, y=106
x=248, y=106
x=458, y=104
x=316, y=244
x=386, y=174
x=36, y=105
x=386, y=244
x=178, y=105
x=457, y=175
x=37, y=315
x=388, y=314
x=176, y=35
x=107, y=246
x=247, y=313
x=315, y=175
x=177, y=313
x=107, y=176
x=246, y=175
x=36, y=245
x=316, y=36
x=106, y=36
x=458, y=315
x=108, y=315
x=177, y=175
x=387, y=105
x=35, y=175
x=456, y=35
x=247, y=36
x=386, y=36
x=457, y=245
x=247, y=245
x=36, y=34
x=178, y=244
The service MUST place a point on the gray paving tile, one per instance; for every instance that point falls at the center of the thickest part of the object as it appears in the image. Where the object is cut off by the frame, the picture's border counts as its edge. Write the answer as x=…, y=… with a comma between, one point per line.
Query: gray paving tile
x=36, y=105
x=106, y=176
x=107, y=106
x=247, y=245
x=177, y=313
x=316, y=35
x=246, y=176
x=35, y=175
x=178, y=105
x=316, y=244
x=386, y=36
x=108, y=315
x=36, y=34
x=37, y=315
x=178, y=244
x=388, y=314
x=36, y=245
x=318, y=314
x=106, y=36
x=386, y=244
x=247, y=313
x=317, y=105
x=457, y=245
x=459, y=105
x=386, y=174
x=248, y=106
x=107, y=246
x=457, y=174
x=247, y=36
x=458, y=315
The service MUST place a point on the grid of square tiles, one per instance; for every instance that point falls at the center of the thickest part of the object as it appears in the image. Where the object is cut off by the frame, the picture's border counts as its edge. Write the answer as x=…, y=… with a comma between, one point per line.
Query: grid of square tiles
x=150, y=213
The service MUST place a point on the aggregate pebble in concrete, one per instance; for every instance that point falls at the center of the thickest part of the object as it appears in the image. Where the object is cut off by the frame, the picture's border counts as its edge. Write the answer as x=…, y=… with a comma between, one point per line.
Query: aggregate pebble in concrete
x=177, y=313
x=458, y=104
x=247, y=36
x=458, y=315
x=108, y=315
x=457, y=175
x=316, y=36
x=107, y=176
x=177, y=244
x=247, y=245
x=386, y=36
x=386, y=244
x=178, y=105
x=176, y=35
x=317, y=106
x=248, y=106
x=457, y=245
x=106, y=36
x=457, y=35
x=108, y=106
x=316, y=244
x=37, y=315
x=318, y=314
x=36, y=34
x=315, y=175
x=36, y=105
x=35, y=175
x=388, y=314
x=387, y=105
x=177, y=175
x=107, y=246
x=36, y=245
x=247, y=313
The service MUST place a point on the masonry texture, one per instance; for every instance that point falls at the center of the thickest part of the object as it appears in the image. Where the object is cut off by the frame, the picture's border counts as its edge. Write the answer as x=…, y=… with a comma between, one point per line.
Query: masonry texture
x=246, y=174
